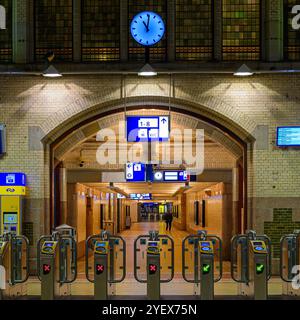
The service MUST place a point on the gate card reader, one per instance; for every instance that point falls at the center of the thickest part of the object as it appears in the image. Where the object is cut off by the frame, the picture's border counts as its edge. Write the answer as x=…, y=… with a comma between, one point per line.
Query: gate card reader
x=206, y=247
x=259, y=246
x=49, y=247
x=153, y=247
x=101, y=247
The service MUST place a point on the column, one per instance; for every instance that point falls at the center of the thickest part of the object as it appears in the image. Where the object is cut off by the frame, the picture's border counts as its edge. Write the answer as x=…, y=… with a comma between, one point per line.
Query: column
x=217, y=7
x=77, y=30
x=171, y=22
x=273, y=30
x=124, y=30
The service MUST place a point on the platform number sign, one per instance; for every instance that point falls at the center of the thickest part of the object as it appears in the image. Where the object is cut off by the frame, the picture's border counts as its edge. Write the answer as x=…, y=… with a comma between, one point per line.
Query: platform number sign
x=260, y=268
x=147, y=128
x=206, y=268
x=99, y=269
x=152, y=268
x=135, y=172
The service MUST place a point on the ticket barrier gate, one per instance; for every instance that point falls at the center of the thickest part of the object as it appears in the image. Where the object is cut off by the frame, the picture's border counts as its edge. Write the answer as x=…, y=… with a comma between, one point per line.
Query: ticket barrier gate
x=289, y=262
x=202, y=262
x=109, y=262
x=14, y=263
x=57, y=261
x=251, y=264
x=154, y=262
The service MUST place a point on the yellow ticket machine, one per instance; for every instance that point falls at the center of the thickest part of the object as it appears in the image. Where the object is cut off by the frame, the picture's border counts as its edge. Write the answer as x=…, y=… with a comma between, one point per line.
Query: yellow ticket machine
x=12, y=192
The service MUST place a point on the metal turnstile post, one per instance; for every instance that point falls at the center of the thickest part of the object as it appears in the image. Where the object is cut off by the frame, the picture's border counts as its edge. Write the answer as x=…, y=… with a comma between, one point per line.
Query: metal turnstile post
x=156, y=247
x=251, y=264
x=202, y=262
x=103, y=247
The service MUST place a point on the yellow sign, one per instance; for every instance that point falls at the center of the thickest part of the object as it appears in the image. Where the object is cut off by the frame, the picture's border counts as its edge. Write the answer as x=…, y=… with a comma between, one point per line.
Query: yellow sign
x=14, y=191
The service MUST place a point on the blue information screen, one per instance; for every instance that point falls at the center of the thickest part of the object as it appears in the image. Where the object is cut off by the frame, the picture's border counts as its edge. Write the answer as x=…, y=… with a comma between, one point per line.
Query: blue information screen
x=147, y=128
x=141, y=196
x=288, y=136
x=12, y=179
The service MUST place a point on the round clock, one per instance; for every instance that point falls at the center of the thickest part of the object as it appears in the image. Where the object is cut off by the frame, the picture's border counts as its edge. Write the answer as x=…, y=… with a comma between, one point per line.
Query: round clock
x=147, y=28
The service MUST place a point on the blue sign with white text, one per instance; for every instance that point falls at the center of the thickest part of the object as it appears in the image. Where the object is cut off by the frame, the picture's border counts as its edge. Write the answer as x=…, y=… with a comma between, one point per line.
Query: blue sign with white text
x=141, y=196
x=12, y=179
x=135, y=172
x=171, y=176
x=288, y=136
x=148, y=128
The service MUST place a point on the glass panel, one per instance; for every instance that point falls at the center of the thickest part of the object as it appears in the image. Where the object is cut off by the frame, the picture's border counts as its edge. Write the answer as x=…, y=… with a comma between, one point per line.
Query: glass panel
x=292, y=38
x=101, y=30
x=6, y=34
x=53, y=29
x=241, y=29
x=136, y=51
x=194, y=36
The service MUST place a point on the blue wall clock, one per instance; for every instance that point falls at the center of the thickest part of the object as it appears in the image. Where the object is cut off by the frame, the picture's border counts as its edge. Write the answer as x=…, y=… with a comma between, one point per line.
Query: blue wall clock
x=147, y=28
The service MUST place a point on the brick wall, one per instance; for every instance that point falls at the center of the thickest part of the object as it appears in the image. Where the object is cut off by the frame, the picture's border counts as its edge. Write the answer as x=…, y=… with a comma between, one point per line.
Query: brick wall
x=282, y=224
x=241, y=105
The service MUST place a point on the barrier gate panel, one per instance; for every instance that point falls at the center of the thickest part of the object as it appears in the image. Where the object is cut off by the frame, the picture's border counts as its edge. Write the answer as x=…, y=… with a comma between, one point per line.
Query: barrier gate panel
x=289, y=256
x=116, y=259
x=191, y=258
x=166, y=258
x=19, y=260
x=67, y=259
x=239, y=259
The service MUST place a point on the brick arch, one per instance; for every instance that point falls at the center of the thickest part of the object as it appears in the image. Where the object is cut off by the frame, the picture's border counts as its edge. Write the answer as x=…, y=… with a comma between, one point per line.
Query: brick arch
x=210, y=109
x=85, y=132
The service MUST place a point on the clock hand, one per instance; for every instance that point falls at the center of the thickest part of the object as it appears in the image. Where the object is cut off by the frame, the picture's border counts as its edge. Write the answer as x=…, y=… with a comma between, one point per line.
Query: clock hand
x=147, y=29
x=148, y=15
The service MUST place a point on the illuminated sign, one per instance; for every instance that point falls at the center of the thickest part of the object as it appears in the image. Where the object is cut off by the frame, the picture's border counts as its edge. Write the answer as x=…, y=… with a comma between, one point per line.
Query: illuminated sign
x=152, y=268
x=145, y=129
x=12, y=179
x=141, y=196
x=206, y=268
x=2, y=18
x=296, y=18
x=260, y=268
x=46, y=268
x=135, y=172
x=171, y=176
x=99, y=268
x=288, y=136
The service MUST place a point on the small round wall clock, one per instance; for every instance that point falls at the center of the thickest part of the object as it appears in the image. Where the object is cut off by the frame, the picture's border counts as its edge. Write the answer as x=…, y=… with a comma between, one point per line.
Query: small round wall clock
x=147, y=28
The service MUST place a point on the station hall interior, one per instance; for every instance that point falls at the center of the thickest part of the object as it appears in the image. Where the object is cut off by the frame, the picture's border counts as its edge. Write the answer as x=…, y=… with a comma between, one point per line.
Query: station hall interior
x=149, y=149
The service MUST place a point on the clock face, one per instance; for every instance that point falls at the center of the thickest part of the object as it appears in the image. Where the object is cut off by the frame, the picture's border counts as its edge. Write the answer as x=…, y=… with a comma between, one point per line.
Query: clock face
x=147, y=28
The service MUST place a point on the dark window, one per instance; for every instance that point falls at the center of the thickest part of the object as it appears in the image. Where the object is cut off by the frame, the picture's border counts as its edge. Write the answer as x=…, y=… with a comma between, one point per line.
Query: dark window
x=6, y=34
x=136, y=51
x=241, y=29
x=101, y=30
x=194, y=29
x=54, y=29
x=292, y=37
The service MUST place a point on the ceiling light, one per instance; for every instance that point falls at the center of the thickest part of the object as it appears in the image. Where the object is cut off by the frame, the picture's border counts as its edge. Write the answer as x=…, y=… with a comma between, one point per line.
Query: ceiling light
x=244, y=71
x=147, y=71
x=51, y=72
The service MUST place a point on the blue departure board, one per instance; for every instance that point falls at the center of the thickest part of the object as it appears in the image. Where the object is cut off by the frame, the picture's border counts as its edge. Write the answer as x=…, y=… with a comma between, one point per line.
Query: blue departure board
x=288, y=136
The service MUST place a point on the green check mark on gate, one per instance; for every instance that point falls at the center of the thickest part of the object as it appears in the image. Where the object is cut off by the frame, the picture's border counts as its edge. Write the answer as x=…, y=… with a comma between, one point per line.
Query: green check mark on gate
x=206, y=268
x=259, y=268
